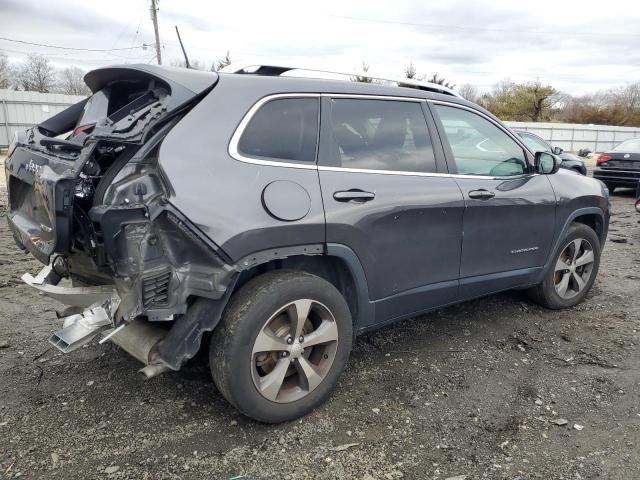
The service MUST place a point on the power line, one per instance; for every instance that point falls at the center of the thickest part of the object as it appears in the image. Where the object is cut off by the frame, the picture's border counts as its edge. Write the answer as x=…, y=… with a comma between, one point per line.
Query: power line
x=135, y=35
x=71, y=48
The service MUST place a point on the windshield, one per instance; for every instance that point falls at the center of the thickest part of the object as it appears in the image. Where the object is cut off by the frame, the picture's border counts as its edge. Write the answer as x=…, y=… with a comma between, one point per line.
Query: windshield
x=631, y=146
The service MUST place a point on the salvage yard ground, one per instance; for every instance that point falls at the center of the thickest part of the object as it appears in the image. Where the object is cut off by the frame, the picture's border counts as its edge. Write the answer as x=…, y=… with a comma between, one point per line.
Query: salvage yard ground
x=493, y=388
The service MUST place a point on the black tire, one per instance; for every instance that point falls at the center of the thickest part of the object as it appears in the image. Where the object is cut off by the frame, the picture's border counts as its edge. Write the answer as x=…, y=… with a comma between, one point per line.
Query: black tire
x=231, y=353
x=610, y=187
x=545, y=293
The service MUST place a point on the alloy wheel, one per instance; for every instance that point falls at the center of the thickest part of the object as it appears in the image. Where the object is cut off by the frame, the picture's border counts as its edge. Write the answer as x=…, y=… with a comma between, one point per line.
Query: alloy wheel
x=294, y=351
x=574, y=268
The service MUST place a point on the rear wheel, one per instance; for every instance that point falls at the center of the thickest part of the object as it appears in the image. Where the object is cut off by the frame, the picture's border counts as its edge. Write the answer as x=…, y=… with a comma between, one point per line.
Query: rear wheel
x=573, y=270
x=281, y=346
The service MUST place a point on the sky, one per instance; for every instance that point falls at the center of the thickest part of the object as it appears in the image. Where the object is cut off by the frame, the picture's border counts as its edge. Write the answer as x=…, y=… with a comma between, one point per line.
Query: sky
x=578, y=47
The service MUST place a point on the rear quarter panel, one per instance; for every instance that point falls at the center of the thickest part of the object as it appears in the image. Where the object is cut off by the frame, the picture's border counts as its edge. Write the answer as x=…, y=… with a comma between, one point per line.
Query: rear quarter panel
x=222, y=195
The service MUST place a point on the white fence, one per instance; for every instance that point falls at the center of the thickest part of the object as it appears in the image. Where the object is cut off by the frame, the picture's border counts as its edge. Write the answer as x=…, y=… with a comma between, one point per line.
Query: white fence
x=574, y=136
x=20, y=110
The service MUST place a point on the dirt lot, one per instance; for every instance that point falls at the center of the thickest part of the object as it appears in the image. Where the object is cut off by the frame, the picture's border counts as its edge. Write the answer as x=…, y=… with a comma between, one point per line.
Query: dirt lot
x=469, y=390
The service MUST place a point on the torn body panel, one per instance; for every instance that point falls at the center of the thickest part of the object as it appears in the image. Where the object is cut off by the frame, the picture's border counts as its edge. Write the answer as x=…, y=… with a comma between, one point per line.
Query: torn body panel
x=52, y=181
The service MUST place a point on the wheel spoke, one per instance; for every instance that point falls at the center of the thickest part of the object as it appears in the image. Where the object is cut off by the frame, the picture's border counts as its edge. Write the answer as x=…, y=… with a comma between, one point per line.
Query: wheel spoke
x=561, y=287
x=309, y=374
x=298, y=313
x=268, y=342
x=585, y=258
x=576, y=249
x=271, y=383
x=326, y=332
x=561, y=265
x=580, y=283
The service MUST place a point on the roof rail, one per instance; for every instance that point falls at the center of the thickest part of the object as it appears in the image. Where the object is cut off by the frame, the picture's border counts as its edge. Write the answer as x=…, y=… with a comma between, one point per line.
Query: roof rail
x=276, y=70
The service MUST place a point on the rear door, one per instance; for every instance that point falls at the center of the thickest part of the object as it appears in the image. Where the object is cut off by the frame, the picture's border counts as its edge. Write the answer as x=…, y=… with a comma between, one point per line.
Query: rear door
x=509, y=211
x=388, y=197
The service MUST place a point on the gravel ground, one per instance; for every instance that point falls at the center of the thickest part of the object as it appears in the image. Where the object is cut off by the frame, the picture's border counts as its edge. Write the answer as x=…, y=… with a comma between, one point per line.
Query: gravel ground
x=472, y=390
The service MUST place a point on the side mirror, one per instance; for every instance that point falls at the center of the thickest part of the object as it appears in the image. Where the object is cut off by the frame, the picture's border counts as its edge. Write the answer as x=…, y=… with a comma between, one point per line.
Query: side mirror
x=546, y=163
x=557, y=150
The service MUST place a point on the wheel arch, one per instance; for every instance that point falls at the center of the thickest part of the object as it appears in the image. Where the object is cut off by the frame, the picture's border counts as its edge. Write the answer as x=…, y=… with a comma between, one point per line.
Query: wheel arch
x=593, y=217
x=594, y=221
x=338, y=264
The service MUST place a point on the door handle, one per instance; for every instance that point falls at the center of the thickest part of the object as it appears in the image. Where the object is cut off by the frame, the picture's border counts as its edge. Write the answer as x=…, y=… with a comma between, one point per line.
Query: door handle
x=354, y=195
x=481, y=194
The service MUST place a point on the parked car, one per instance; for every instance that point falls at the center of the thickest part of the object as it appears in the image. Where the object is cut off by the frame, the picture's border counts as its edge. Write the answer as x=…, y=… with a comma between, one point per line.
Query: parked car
x=538, y=144
x=285, y=215
x=620, y=167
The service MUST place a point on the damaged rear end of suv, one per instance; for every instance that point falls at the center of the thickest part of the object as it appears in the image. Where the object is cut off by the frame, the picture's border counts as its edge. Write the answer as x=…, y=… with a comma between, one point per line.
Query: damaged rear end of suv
x=285, y=215
x=88, y=199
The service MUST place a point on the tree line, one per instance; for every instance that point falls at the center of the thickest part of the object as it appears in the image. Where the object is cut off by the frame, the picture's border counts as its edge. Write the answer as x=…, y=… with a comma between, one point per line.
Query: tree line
x=535, y=101
x=38, y=75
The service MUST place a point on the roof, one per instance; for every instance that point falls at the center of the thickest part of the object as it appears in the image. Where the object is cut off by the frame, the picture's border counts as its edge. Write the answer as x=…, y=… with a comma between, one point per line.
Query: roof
x=277, y=70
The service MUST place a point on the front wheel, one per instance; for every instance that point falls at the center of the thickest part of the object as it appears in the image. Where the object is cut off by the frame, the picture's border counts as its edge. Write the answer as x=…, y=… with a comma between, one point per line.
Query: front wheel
x=282, y=344
x=573, y=270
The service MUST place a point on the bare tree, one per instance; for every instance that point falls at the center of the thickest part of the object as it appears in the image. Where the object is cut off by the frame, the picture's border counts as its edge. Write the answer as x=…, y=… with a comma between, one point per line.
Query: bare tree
x=36, y=74
x=440, y=81
x=5, y=71
x=71, y=82
x=410, y=72
x=363, y=78
x=469, y=92
x=221, y=63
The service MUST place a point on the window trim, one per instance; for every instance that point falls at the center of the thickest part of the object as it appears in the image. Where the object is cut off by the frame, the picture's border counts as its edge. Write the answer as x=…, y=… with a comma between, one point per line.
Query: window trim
x=449, y=154
x=237, y=135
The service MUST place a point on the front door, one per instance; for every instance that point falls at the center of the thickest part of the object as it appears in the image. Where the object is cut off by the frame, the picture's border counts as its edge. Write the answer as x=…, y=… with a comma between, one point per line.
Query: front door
x=509, y=216
x=386, y=196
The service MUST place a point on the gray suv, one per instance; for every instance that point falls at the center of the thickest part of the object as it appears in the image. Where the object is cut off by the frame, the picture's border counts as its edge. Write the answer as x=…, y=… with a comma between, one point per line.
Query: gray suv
x=285, y=216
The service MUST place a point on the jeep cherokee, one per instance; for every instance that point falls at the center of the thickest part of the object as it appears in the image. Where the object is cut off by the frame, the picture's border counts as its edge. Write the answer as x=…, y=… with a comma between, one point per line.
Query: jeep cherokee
x=285, y=215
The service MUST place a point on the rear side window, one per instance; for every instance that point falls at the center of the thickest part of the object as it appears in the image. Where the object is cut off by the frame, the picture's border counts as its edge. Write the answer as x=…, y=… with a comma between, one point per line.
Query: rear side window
x=380, y=135
x=283, y=129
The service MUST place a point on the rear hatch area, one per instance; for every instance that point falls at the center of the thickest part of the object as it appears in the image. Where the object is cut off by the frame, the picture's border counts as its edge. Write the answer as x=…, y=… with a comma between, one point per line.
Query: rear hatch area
x=58, y=170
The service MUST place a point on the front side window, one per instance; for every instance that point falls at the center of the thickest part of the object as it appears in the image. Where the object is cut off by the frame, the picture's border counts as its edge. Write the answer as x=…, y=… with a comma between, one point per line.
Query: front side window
x=282, y=129
x=479, y=147
x=534, y=143
x=380, y=135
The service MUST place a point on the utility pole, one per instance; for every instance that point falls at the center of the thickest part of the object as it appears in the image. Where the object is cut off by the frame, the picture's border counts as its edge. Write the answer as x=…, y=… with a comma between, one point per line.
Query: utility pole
x=154, y=19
